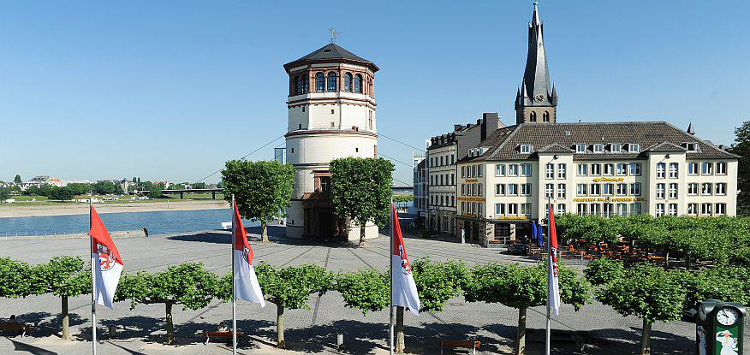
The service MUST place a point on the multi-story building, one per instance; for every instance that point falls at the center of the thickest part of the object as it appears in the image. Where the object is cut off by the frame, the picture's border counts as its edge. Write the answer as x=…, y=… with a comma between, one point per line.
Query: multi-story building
x=419, y=181
x=442, y=154
x=331, y=105
x=606, y=169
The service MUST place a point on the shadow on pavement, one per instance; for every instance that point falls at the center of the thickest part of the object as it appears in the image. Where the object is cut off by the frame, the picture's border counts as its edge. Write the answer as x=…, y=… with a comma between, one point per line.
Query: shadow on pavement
x=19, y=346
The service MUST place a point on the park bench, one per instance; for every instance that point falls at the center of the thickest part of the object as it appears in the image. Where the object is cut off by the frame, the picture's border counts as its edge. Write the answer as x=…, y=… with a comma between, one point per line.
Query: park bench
x=469, y=344
x=219, y=335
x=23, y=328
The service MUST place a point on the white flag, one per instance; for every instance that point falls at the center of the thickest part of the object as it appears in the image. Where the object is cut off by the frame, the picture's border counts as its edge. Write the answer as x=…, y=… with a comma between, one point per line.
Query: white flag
x=246, y=284
x=106, y=260
x=404, y=291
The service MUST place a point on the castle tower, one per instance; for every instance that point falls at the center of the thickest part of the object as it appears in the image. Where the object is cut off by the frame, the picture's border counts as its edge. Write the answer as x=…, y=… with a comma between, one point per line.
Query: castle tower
x=536, y=99
x=331, y=115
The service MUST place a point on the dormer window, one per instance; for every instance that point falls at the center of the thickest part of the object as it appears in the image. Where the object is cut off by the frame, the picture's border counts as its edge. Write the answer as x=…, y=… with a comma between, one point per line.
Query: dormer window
x=525, y=148
x=691, y=147
x=580, y=148
x=634, y=148
x=598, y=148
x=615, y=148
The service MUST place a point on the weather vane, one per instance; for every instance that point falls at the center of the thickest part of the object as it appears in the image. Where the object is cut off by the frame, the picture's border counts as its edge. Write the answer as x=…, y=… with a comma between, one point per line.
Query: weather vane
x=334, y=34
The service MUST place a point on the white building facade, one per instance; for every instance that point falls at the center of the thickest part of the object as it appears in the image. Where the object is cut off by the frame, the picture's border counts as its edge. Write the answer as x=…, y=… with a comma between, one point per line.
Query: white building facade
x=331, y=107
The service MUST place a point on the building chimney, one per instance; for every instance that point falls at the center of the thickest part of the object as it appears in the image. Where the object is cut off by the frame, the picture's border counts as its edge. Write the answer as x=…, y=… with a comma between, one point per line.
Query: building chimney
x=490, y=123
x=457, y=127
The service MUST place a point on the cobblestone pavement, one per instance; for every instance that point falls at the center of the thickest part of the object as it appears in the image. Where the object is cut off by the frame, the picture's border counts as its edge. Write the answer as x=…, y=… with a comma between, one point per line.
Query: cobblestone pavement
x=308, y=331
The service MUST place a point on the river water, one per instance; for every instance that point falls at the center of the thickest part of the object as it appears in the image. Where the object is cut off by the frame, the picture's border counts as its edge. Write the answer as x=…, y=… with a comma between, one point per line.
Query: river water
x=158, y=222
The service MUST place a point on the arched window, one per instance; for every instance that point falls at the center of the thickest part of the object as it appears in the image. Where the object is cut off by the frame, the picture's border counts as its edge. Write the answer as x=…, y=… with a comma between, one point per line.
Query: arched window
x=348, y=82
x=545, y=116
x=358, y=84
x=532, y=116
x=320, y=82
x=332, y=84
x=305, y=84
x=297, y=85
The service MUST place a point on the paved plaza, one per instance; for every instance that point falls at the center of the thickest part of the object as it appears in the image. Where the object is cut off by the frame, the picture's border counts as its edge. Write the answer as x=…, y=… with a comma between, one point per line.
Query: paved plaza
x=140, y=331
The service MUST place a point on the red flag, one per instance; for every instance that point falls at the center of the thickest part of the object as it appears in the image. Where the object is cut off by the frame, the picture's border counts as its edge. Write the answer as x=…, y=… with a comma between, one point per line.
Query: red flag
x=106, y=260
x=404, y=291
x=553, y=286
x=246, y=284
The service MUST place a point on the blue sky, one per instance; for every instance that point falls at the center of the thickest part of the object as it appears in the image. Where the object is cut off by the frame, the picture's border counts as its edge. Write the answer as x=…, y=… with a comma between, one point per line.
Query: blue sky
x=172, y=89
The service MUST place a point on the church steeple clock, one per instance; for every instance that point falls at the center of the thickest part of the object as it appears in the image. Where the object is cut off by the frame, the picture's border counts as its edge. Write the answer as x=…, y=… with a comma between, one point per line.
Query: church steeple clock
x=536, y=99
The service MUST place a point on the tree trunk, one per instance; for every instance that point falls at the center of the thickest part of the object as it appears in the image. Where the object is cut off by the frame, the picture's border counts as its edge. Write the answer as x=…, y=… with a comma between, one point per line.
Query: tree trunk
x=521, y=336
x=687, y=260
x=400, y=346
x=280, y=343
x=264, y=228
x=646, y=338
x=65, y=319
x=170, y=325
x=362, y=234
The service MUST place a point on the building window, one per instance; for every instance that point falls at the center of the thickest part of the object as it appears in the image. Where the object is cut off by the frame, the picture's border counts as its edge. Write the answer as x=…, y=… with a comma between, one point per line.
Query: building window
x=525, y=189
x=692, y=208
x=660, y=191
x=549, y=190
x=609, y=189
x=721, y=209
x=348, y=85
x=332, y=82
x=512, y=189
x=673, y=170
x=320, y=82
x=635, y=189
x=473, y=171
x=581, y=207
x=525, y=148
x=479, y=170
x=692, y=168
x=358, y=84
x=561, y=208
x=609, y=169
x=550, y=171
x=615, y=148
x=473, y=189
x=634, y=148
x=672, y=190
x=305, y=86
x=635, y=169
x=622, y=169
x=707, y=168
x=473, y=208
x=513, y=170
x=560, y=191
x=479, y=193
x=598, y=148
x=706, y=188
x=691, y=147
x=581, y=189
x=296, y=85
x=513, y=209
x=580, y=148
x=660, y=170
x=525, y=169
x=545, y=116
x=500, y=209
x=609, y=209
x=622, y=189
x=596, y=209
x=583, y=170
x=463, y=171
x=706, y=209
x=532, y=116
x=596, y=189
x=721, y=169
x=659, y=209
x=622, y=209
x=672, y=209
x=463, y=189
x=561, y=171
x=635, y=209
x=721, y=188
x=500, y=170
x=526, y=209
x=692, y=188
x=596, y=169
x=499, y=189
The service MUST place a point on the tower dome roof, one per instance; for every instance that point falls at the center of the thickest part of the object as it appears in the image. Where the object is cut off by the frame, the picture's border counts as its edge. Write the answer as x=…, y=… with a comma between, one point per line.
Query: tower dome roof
x=328, y=53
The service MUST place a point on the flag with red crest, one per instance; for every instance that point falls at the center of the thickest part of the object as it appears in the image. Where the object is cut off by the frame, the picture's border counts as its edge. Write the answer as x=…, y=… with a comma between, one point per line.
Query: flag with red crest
x=106, y=260
x=246, y=286
x=404, y=291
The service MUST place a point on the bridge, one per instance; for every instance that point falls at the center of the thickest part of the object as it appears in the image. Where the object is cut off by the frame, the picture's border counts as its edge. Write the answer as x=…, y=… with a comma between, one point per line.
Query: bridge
x=193, y=191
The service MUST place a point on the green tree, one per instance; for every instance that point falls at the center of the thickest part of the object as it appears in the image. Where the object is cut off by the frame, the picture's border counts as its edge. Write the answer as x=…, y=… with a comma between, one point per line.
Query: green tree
x=367, y=290
x=648, y=292
x=80, y=188
x=262, y=189
x=15, y=278
x=402, y=200
x=188, y=284
x=741, y=147
x=361, y=190
x=4, y=193
x=199, y=185
x=61, y=193
x=17, y=179
x=64, y=277
x=602, y=271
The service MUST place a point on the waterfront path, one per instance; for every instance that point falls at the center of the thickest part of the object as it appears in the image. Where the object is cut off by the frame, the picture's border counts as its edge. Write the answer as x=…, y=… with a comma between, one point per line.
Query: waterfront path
x=308, y=331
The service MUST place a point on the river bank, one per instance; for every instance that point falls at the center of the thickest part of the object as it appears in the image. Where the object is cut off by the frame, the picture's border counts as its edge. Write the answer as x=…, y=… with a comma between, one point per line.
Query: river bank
x=10, y=210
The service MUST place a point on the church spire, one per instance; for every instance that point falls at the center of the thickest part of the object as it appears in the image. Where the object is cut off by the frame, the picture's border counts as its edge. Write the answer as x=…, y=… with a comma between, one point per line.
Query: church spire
x=537, y=89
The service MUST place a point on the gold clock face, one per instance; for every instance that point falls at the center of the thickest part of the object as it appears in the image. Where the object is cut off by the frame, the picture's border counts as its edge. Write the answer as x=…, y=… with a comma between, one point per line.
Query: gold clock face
x=727, y=316
x=539, y=98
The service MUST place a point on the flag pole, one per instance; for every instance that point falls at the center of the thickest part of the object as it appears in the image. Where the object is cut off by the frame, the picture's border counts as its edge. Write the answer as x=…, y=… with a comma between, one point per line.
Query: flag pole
x=390, y=263
x=548, y=337
x=93, y=282
x=234, y=291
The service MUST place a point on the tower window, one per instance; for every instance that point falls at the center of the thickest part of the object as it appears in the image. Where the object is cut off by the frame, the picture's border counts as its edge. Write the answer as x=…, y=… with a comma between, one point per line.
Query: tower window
x=532, y=116
x=332, y=111
x=303, y=108
x=332, y=83
x=333, y=124
x=300, y=127
x=297, y=85
x=320, y=82
x=358, y=84
x=356, y=150
x=305, y=85
x=545, y=116
x=348, y=82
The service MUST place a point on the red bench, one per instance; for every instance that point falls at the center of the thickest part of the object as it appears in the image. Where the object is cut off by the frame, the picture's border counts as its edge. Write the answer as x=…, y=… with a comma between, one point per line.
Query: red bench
x=469, y=344
x=23, y=328
x=219, y=335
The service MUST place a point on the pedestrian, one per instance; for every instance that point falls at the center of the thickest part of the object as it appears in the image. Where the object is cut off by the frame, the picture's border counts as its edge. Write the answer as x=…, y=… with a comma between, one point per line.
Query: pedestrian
x=145, y=231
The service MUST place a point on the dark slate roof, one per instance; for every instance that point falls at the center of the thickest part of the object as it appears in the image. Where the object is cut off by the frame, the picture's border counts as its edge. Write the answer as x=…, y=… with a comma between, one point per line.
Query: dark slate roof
x=536, y=79
x=555, y=148
x=328, y=53
x=655, y=135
